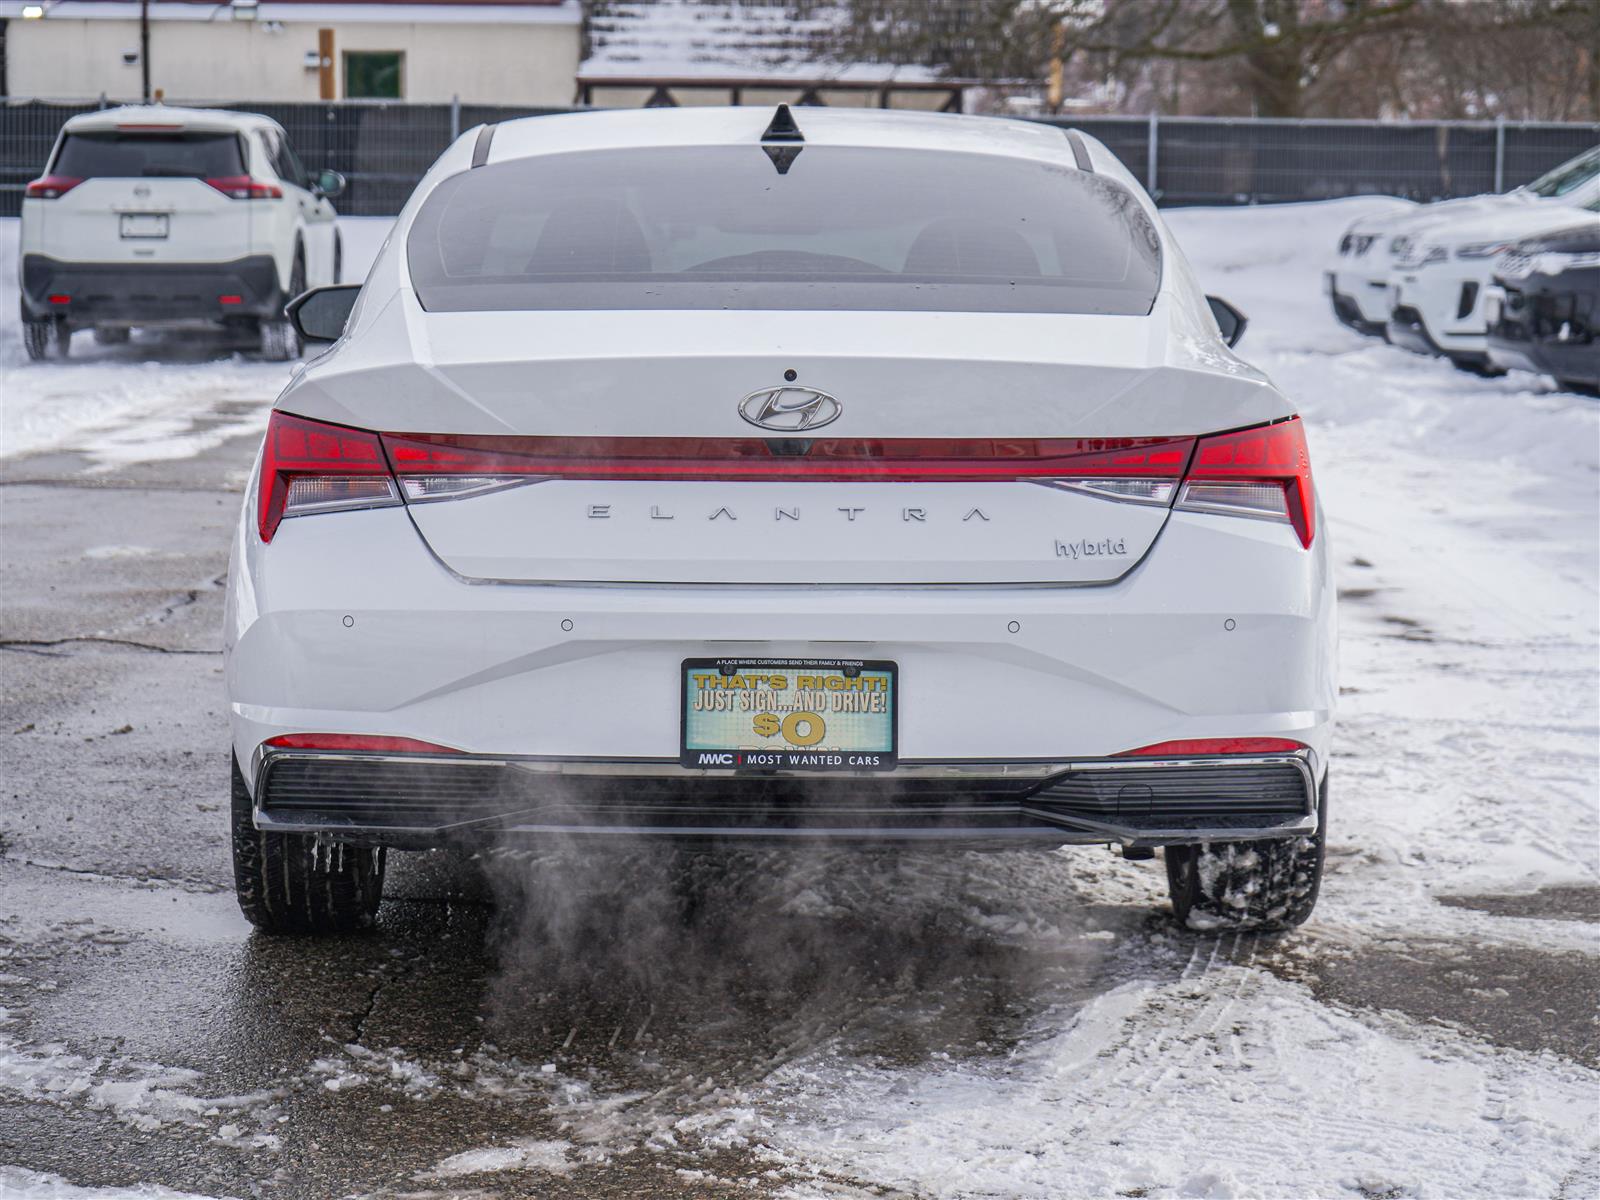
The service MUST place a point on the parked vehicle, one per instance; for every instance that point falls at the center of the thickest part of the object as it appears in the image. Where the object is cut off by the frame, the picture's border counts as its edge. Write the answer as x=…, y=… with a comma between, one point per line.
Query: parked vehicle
x=870, y=477
x=149, y=216
x=1436, y=301
x=1544, y=307
x=1360, y=282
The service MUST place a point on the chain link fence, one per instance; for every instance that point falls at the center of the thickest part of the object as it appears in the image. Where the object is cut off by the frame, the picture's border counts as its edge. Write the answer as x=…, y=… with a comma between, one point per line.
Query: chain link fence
x=383, y=148
x=1220, y=160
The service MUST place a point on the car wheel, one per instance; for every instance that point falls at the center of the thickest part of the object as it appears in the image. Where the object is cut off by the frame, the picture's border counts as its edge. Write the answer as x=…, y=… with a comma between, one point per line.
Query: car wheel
x=297, y=882
x=1270, y=884
x=111, y=335
x=38, y=337
x=1579, y=386
x=279, y=341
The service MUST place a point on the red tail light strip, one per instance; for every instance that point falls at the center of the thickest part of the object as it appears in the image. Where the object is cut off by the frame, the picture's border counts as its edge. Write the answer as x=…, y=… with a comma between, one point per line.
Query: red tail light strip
x=1193, y=746
x=1271, y=459
x=765, y=459
x=242, y=187
x=51, y=187
x=298, y=448
x=357, y=742
x=1265, y=454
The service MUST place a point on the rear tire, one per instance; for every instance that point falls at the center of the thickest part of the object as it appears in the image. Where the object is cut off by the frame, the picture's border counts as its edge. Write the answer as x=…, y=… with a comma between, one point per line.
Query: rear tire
x=1271, y=884
x=279, y=340
x=111, y=335
x=297, y=883
x=45, y=337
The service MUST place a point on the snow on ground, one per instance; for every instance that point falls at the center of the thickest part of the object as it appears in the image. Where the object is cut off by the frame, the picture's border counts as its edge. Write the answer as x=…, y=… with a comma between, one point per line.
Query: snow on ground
x=1228, y=1084
x=165, y=395
x=19, y=1184
x=1467, y=729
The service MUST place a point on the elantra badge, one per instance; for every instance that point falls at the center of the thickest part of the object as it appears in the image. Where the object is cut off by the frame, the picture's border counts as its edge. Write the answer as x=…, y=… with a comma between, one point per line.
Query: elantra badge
x=790, y=408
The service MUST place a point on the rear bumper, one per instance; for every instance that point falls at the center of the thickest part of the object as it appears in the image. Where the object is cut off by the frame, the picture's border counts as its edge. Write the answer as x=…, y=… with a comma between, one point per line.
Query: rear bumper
x=1550, y=324
x=1576, y=362
x=571, y=694
x=1407, y=328
x=149, y=293
x=1349, y=315
x=1441, y=312
x=1359, y=301
x=418, y=800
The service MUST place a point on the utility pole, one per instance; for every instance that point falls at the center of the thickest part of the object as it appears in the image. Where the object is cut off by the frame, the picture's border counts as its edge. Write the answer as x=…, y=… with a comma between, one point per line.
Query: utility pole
x=144, y=46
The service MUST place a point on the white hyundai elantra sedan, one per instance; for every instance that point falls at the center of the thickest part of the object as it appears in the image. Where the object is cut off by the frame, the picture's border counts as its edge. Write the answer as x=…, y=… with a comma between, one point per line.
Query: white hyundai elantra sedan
x=821, y=476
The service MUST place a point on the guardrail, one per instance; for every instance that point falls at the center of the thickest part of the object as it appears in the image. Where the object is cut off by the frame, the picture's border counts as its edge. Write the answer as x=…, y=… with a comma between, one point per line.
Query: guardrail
x=384, y=147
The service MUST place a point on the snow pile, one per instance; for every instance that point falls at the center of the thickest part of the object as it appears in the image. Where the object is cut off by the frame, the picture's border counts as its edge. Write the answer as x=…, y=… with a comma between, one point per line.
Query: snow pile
x=523, y=1154
x=1229, y=1084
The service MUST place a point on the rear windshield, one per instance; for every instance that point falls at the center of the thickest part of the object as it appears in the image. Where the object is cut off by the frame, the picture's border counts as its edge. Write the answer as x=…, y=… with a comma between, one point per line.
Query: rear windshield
x=843, y=228
x=121, y=154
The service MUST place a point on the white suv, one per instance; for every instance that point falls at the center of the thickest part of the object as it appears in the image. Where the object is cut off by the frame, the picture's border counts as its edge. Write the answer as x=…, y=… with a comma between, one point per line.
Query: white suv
x=1441, y=271
x=152, y=216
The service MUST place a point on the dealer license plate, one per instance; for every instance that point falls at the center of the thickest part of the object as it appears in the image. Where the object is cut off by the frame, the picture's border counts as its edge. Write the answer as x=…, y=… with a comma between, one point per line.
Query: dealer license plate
x=791, y=714
x=144, y=225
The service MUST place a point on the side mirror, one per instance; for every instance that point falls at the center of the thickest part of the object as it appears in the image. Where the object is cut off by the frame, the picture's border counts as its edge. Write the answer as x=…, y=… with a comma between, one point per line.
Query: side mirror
x=1229, y=320
x=328, y=183
x=320, y=314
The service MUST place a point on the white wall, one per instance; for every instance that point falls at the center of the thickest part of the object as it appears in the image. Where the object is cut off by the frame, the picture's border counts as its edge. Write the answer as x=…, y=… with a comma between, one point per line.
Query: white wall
x=512, y=63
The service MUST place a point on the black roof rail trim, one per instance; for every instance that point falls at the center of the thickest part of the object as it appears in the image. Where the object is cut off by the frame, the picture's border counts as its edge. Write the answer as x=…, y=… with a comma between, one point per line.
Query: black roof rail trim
x=1080, y=152
x=480, y=148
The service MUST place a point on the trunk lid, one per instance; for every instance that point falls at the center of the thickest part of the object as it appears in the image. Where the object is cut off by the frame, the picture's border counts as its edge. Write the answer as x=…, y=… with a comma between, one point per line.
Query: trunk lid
x=991, y=385
x=145, y=220
x=144, y=196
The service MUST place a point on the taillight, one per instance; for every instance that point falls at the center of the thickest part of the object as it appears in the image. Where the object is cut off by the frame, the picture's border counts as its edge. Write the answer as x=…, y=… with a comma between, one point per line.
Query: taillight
x=51, y=187
x=311, y=467
x=1190, y=747
x=358, y=743
x=242, y=187
x=437, y=466
x=1262, y=472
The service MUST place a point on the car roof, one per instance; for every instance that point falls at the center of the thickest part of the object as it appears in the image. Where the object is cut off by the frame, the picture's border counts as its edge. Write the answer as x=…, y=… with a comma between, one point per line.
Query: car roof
x=737, y=126
x=160, y=116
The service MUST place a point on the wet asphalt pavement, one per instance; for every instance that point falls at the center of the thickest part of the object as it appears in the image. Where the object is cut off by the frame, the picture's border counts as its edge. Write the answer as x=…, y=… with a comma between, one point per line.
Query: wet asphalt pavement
x=527, y=1001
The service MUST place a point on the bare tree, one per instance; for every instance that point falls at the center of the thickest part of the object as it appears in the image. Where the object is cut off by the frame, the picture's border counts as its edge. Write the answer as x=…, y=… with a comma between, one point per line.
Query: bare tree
x=1283, y=58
